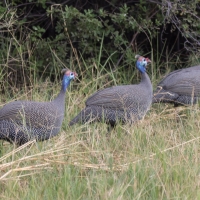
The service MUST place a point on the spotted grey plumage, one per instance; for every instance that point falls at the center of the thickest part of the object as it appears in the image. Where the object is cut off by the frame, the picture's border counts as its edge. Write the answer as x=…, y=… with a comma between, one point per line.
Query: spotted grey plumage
x=125, y=103
x=22, y=121
x=180, y=87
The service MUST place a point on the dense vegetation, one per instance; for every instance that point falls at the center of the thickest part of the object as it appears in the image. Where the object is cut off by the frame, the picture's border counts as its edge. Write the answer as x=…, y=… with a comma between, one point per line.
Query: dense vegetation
x=158, y=158
x=39, y=38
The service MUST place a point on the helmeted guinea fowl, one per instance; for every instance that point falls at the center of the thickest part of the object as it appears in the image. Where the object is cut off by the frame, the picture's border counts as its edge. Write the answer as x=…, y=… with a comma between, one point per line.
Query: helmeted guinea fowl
x=22, y=121
x=125, y=103
x=180, y=87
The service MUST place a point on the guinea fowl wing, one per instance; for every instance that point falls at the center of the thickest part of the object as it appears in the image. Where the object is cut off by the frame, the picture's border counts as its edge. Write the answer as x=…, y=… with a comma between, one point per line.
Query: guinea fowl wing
x=116, y=97
x=36, y=114
x=11, y=110
x=182, y=82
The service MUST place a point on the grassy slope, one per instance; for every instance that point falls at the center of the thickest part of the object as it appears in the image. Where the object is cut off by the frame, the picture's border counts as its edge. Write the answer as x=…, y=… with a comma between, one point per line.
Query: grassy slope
x=156, y=159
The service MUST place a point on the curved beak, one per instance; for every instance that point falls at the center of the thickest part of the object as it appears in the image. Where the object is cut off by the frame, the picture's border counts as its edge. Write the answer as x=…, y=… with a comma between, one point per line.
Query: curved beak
x=75, y=75
x=148, y=60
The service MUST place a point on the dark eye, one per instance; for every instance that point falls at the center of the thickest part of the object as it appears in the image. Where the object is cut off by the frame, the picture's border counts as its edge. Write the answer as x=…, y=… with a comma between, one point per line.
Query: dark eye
x=143, y=59
x=71, y=74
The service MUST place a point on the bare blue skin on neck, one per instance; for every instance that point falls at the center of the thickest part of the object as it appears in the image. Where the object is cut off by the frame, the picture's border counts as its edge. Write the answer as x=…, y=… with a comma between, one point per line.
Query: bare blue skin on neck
x=65, y=82
x=141, y=66
x=60, y=99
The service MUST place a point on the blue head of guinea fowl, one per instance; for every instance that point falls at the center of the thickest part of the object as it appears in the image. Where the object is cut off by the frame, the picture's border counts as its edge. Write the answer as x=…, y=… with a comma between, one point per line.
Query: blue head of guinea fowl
x=68, y=76
x=141, y=63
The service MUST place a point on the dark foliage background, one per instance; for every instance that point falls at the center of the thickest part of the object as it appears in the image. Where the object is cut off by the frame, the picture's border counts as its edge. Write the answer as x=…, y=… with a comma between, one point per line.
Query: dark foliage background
x=38, y=38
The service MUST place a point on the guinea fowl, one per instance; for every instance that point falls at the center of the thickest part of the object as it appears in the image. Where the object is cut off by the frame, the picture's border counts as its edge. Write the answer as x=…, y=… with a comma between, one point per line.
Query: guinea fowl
x=22, y=121
x=180, y=87
x=125, y=103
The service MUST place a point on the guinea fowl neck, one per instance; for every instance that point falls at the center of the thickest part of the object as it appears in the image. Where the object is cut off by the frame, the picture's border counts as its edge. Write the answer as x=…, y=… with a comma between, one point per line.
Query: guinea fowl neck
x=145, y=79
x=60, y=99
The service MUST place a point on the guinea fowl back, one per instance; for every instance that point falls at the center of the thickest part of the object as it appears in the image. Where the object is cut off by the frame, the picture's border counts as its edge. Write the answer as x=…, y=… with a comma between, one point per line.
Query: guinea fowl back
x=125, y=103
x=34, y=120
x=47, y=115
x=179, y=87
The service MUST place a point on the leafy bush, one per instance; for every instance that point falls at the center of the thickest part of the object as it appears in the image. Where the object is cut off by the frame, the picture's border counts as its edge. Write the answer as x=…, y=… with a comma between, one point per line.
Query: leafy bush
x=40, y=37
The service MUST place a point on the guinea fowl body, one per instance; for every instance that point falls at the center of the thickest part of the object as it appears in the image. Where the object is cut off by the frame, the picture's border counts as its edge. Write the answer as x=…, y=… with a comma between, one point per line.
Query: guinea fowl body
x=125, y=103
x=21, y=121
x=180, y=87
